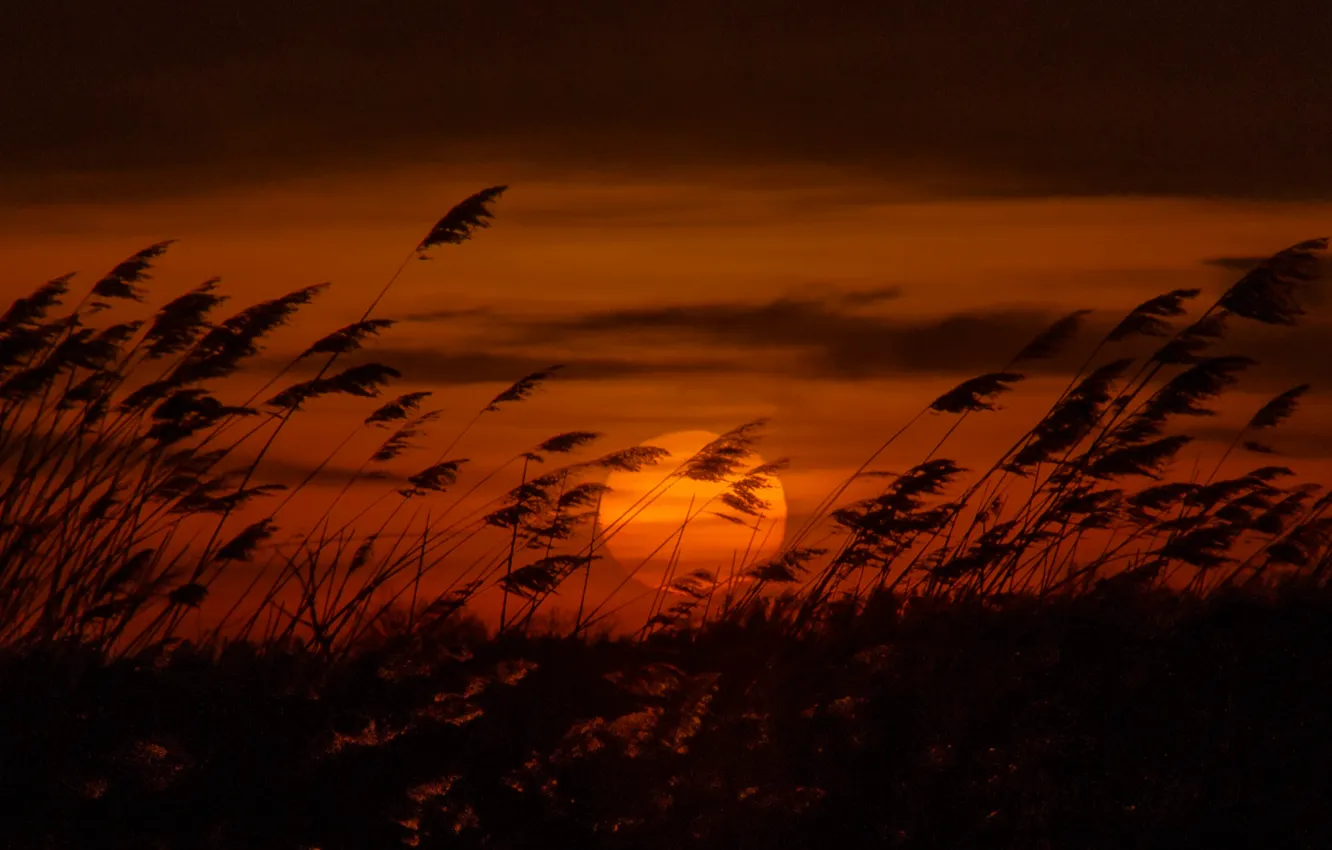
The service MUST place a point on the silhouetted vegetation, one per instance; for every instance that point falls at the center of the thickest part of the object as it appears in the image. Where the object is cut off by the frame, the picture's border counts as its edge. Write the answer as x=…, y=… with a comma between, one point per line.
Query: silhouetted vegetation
x=1109, y=719
x=1074, y=647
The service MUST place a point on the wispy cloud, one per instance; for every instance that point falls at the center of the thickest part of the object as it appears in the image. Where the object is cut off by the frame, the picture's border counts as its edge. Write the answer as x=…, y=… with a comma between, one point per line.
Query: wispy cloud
x=832, y=341
x=431, y=365
x=870, y=297
x=830, y=337
x=447, y=315
x=1237, y=264
x=291, y=473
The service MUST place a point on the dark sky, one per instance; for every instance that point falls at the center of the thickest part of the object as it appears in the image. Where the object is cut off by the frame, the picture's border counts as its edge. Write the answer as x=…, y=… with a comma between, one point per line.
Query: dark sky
x=1195, y=97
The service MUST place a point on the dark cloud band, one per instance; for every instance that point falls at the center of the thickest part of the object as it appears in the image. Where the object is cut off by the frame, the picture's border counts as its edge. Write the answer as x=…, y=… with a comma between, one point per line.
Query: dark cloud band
x=1055, y=96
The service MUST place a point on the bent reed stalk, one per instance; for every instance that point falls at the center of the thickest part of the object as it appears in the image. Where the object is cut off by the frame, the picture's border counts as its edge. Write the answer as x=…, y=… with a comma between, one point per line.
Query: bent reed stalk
x=121, y=507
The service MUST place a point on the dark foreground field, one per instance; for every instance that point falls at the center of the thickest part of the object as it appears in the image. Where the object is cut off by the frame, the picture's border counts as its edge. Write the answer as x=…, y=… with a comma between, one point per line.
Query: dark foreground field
x=1118, y=719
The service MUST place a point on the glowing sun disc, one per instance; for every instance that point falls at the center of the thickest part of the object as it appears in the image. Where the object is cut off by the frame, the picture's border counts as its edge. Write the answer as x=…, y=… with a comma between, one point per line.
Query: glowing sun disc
x=709, y=542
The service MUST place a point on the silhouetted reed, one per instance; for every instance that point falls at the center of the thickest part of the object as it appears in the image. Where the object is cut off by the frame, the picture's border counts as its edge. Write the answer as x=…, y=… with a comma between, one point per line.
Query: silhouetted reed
x=131, y=482
x=124, y=462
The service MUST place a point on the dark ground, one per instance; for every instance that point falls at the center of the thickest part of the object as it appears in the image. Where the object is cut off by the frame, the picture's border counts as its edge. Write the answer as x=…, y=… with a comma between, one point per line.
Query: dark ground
x=1106, y=721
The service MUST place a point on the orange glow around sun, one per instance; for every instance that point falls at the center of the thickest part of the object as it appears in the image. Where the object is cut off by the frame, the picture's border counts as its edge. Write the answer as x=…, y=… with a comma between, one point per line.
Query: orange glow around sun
x=652, y=541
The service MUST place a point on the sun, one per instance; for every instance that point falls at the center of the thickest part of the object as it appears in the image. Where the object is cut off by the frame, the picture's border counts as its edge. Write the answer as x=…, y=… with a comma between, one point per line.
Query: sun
x=651, y=542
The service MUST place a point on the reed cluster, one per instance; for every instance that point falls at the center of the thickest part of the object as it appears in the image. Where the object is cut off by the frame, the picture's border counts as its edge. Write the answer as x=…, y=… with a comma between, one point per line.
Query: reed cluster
x=128, y=485
x=1076, y=646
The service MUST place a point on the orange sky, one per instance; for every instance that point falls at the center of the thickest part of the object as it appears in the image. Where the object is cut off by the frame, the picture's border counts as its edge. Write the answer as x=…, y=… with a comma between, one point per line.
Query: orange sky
x=656, y=293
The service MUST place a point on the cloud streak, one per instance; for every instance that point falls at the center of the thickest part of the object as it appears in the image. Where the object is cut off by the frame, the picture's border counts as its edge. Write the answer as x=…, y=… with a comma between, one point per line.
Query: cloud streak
x=433, y=365
x=831, y=340
x=832, y=337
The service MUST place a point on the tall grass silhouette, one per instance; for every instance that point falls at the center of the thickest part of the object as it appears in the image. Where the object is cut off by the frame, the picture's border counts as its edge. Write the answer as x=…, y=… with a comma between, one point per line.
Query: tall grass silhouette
x=116, y=444
x=348, y=682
